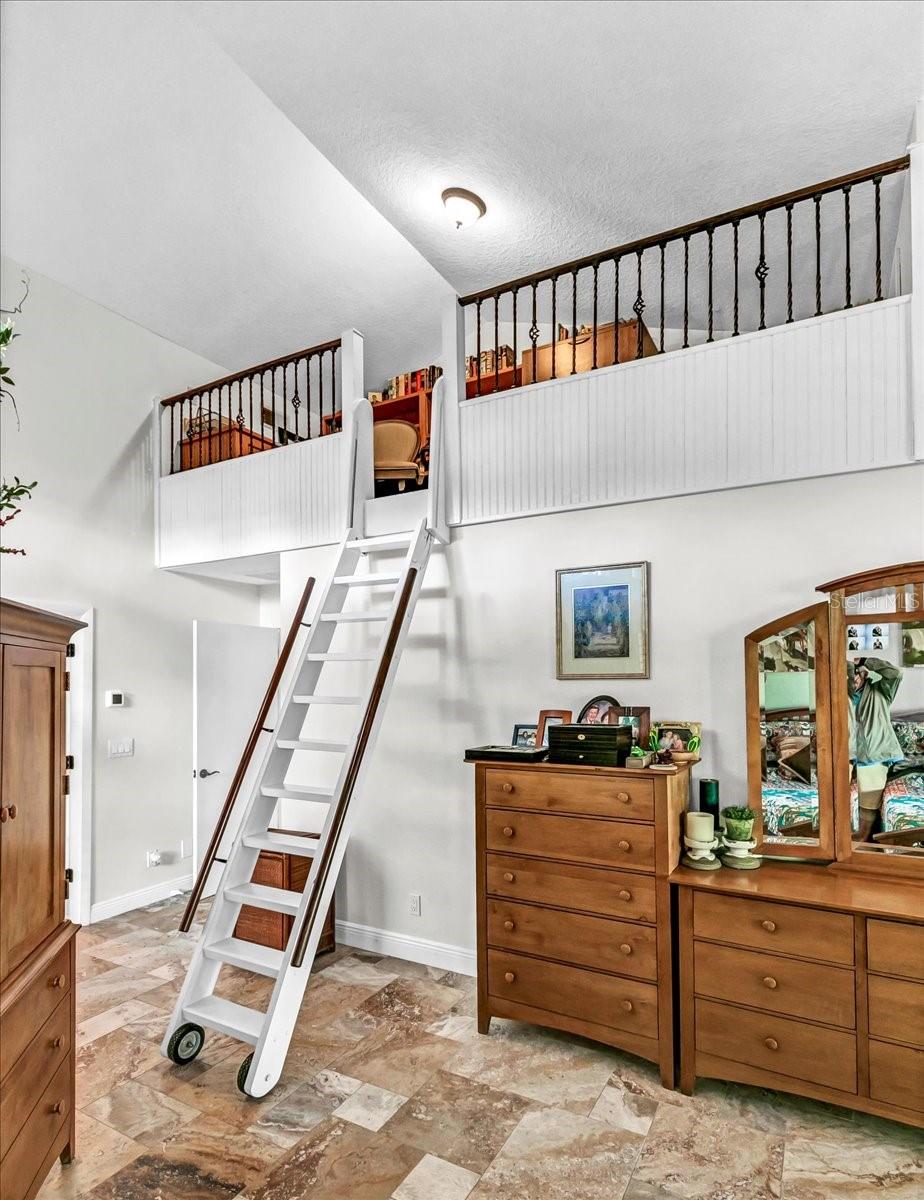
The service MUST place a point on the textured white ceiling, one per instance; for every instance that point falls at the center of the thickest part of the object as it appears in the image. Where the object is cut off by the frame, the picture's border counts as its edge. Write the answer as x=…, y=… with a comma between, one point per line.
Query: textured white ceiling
x=142, y=168
x=583, y=125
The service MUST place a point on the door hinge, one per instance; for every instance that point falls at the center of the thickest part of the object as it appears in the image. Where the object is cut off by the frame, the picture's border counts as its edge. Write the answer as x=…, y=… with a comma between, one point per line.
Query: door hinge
x=68, y=880
x=71, y=651
x=68, y=762
x=67, y=681
x=67, y=785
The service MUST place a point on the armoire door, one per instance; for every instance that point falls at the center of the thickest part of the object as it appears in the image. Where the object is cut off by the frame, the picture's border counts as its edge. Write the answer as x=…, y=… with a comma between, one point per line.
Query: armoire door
x=31, y=801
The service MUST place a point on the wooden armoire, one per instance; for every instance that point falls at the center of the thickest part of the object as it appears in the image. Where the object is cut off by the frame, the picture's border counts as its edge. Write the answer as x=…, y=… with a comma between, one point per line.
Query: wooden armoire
x=37, y=954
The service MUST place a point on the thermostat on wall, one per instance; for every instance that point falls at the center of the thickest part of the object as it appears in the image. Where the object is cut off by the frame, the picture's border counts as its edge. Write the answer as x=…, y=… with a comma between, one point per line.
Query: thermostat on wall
x=115, y=699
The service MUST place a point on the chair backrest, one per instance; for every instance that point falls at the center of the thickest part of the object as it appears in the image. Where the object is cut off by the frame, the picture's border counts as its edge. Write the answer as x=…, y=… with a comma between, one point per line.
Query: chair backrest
x=395, y=441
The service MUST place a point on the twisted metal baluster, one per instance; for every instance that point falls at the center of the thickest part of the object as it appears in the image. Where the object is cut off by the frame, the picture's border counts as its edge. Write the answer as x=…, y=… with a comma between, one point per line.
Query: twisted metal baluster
x=709, y=233
x=534, y=331
x=250, y=382
x=616, y=262
x=172, y=439
x=333, y=382
x=496, y=342
x=662, y=299
x=817, y=200
x=296, y=400
x=638, y=307
x=846, y=191
x=554, y=322
x=877, y=183
x=478, y=348
x=209, y=431
x=788, y=264
x=735, y=329
x=686, y=290
x=574, y=276
x=514, y=377
x=594, y=362
x=761, y=271
x=308, y=399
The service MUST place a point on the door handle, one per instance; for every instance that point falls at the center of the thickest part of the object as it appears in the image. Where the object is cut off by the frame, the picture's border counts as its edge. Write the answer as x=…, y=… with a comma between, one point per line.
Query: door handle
x=203, y=774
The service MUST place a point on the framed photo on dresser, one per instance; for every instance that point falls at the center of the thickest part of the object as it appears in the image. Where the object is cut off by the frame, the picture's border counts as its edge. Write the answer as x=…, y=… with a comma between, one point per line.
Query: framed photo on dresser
x=602, y=622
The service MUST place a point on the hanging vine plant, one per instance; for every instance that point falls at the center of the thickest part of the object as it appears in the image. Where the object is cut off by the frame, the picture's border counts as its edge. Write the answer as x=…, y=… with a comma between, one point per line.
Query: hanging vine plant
x=11, y=494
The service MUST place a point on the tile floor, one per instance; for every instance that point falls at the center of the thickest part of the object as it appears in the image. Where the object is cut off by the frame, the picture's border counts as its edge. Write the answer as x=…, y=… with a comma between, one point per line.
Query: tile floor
x=390, y=1094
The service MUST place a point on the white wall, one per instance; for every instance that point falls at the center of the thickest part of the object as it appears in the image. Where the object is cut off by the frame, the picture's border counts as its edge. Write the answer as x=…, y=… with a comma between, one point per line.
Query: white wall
x=481, y=654
x=85, y=381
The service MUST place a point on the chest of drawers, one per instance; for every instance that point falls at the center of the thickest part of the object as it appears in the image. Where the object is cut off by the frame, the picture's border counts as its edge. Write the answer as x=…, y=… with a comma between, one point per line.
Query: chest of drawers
x=803, y=980
x=573, y=901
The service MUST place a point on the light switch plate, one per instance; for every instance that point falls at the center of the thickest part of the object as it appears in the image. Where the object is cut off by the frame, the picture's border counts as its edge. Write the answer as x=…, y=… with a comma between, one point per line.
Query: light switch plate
x=121, y=747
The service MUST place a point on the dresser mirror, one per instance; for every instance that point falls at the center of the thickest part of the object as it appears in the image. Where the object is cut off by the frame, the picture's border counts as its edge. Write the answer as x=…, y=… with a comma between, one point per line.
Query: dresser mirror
x=877, y=636
x=787, y=684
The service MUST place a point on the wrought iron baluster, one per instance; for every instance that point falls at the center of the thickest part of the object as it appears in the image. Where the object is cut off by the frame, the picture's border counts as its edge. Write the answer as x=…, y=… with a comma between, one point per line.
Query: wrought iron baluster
x=190, y=434
x=296, y=399
x=321, y=394
x=513, y=381
x=497, y=341
x=877, y=184
x=172, y=438
x=308, y=399
x=554, y=322
x=817, y=200
x=574, y=276
x=534, y=331
x=240, y=420
x=333, y=381
x=284, y=437
x=709, y=233
x=735, y=329
x=208, y=432
x=250, y=388
x=616, y=262
x=761, y=271
x=661, y=319
x=594, y=363
x=788, y=264
x=273, y=401
x=846, y=191
x=638, y=307
x=478, y=348
x=686, y=290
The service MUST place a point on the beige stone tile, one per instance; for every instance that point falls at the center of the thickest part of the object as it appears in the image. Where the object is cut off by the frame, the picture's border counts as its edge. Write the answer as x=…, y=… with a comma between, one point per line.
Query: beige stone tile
x=353, y=970
x=155, y=1177
x=624, y=1109
x=239, y=1158
x=113, y=987
x=693, y=1157
x=396, y=1057
x=435, y=1179
x=113, y=1018
x=558, y=1155
x=327, y=999
x=454, y=1026
x=101, y=1151
x=410, y=970
x=459, y=1120
x=215, y=1092
x=140, y=1112
x=877, y=1161
x=370, y=1106
x=110, y=1060
x=287, y=1122
x=416, y=1001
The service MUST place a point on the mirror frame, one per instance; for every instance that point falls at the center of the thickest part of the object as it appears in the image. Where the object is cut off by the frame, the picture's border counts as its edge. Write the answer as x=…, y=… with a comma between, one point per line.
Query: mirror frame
x=910, y=574
x=824, y=849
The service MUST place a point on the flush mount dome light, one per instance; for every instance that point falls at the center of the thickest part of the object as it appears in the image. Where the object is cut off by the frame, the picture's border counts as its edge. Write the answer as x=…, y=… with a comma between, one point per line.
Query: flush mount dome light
x=463, y=206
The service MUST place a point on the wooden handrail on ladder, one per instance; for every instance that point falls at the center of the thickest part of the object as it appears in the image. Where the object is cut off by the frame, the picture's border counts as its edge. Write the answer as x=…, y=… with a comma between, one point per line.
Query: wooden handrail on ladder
x=320, y=875
x=258, y=727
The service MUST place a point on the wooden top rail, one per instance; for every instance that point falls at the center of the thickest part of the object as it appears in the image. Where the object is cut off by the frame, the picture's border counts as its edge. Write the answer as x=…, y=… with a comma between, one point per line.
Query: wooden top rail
x=324, y=860
x=258, y=727
x=272, y=364
x=681, y=231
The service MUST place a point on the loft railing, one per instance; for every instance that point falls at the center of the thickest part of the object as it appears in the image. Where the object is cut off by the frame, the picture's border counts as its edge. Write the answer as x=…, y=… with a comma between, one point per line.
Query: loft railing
x=289, y=399
x=802, y=254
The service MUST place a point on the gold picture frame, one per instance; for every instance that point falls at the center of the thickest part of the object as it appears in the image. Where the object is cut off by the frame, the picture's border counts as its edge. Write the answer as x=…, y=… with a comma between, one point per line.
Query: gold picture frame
x=602, y=622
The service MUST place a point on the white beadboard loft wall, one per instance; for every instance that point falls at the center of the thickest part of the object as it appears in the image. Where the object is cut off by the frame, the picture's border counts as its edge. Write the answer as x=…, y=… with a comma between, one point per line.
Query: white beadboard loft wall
x=820, y=397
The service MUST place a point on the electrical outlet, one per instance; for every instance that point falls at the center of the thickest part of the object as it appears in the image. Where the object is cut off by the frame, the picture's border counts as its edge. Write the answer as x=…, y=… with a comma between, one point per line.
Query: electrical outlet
x=154, y=858
x=121, y=747
x=415, y=904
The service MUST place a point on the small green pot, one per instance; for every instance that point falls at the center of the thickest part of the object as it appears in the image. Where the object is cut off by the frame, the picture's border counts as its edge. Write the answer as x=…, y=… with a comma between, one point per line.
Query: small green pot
x=738, y=831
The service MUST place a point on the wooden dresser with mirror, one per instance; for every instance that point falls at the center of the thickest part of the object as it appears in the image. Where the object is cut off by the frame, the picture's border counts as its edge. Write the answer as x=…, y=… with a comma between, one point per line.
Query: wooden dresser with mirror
x=807, y=975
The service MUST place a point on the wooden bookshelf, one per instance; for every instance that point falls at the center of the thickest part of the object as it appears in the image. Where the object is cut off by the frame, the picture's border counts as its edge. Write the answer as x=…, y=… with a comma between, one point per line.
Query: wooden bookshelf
x=413, y=407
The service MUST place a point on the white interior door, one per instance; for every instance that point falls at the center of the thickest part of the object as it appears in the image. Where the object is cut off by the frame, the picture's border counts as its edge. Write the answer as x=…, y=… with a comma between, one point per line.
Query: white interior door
x=232, y=665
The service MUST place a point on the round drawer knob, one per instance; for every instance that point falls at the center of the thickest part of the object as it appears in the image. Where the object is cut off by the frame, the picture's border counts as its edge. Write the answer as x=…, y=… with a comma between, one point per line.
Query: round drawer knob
x=623, y=796
x=626, y=949
x=508, y=831
x=771, y=1043
x=769, y=982
x=56, y=1044
x=508, y=925
x=509, y=877
x=770, y=926
x=510, y=977
x=508, y=787
x=58, y=981
x=623, y=844
x=625, y=894
x=627, y=1005
x=13, y=811
x=58, y=1106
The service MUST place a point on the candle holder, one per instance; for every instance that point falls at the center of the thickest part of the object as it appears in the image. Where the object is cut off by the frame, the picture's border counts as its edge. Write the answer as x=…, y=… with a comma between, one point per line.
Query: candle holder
x=737, y=855
x=699, y=854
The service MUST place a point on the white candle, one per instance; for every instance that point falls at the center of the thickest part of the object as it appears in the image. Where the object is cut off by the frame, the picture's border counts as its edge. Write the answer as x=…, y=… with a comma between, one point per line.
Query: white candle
x=700, y=826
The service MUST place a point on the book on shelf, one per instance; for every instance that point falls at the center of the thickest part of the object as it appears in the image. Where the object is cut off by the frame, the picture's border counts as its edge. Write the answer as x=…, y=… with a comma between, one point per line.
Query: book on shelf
x=412, y=382
x=504, y=358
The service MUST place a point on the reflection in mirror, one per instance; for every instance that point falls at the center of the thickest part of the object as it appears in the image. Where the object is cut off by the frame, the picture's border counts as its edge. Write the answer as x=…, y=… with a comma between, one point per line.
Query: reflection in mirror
x=885, y=689
x=789, y=764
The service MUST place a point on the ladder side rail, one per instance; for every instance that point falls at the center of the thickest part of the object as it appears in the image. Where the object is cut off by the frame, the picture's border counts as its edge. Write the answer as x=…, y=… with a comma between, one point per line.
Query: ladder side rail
x=258, y=727
x=436, y=498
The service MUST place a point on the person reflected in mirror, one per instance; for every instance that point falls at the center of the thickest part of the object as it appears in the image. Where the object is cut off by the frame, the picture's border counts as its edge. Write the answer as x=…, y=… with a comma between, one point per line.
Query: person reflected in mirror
x=872, y=684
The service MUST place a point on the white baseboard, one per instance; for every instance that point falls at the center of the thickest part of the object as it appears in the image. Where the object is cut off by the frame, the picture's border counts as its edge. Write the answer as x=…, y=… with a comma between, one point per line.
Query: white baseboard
x=402, y=945
x=140, y=899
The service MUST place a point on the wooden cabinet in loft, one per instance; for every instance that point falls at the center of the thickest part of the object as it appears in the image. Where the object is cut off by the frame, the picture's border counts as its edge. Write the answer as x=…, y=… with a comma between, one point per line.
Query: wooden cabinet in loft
x=37, y=957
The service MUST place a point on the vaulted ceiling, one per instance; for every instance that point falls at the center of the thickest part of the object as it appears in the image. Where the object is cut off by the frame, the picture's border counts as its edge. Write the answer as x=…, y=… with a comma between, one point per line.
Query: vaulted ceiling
x=249, y=177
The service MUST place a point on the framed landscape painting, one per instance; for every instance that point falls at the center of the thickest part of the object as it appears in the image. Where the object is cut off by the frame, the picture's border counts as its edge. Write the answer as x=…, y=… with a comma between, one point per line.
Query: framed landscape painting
x=602, y=622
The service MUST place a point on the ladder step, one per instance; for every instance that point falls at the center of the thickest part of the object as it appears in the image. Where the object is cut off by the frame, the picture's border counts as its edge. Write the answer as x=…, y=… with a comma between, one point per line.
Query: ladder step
x=371, y=580
x=224, y=1016
x=312, y=744
x=295, y=792
x=389, y=541
x=286, y=843
x=381, y=615
x=341, y=657
x=247, y=955
x=327, y=699
x=271, y=898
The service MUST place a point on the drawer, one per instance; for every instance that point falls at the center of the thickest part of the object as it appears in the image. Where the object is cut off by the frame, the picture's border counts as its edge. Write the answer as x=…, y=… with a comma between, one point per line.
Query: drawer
x=594, y=796
x=22, y=1087
x=896, y=1009
x=780, y=928
x=896, y=1075
x=812, y=1053
x=607, y=843
x=590, y=889
x=22, y=1021
x=778, y=985
x=624, y=1004
x=621, y=946
x=895, y=949
x=43, y=1125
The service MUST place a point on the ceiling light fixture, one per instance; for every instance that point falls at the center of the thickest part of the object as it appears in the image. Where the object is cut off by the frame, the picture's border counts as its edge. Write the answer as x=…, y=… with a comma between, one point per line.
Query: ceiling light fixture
x=463, y=206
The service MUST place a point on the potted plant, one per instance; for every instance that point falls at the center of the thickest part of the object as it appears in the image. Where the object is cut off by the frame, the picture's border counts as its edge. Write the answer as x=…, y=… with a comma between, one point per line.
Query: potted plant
x=739, y=823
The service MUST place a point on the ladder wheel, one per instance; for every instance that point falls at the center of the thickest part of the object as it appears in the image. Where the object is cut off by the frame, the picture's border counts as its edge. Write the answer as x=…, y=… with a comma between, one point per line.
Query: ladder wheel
x=185, y=1044
x=242, y=1074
